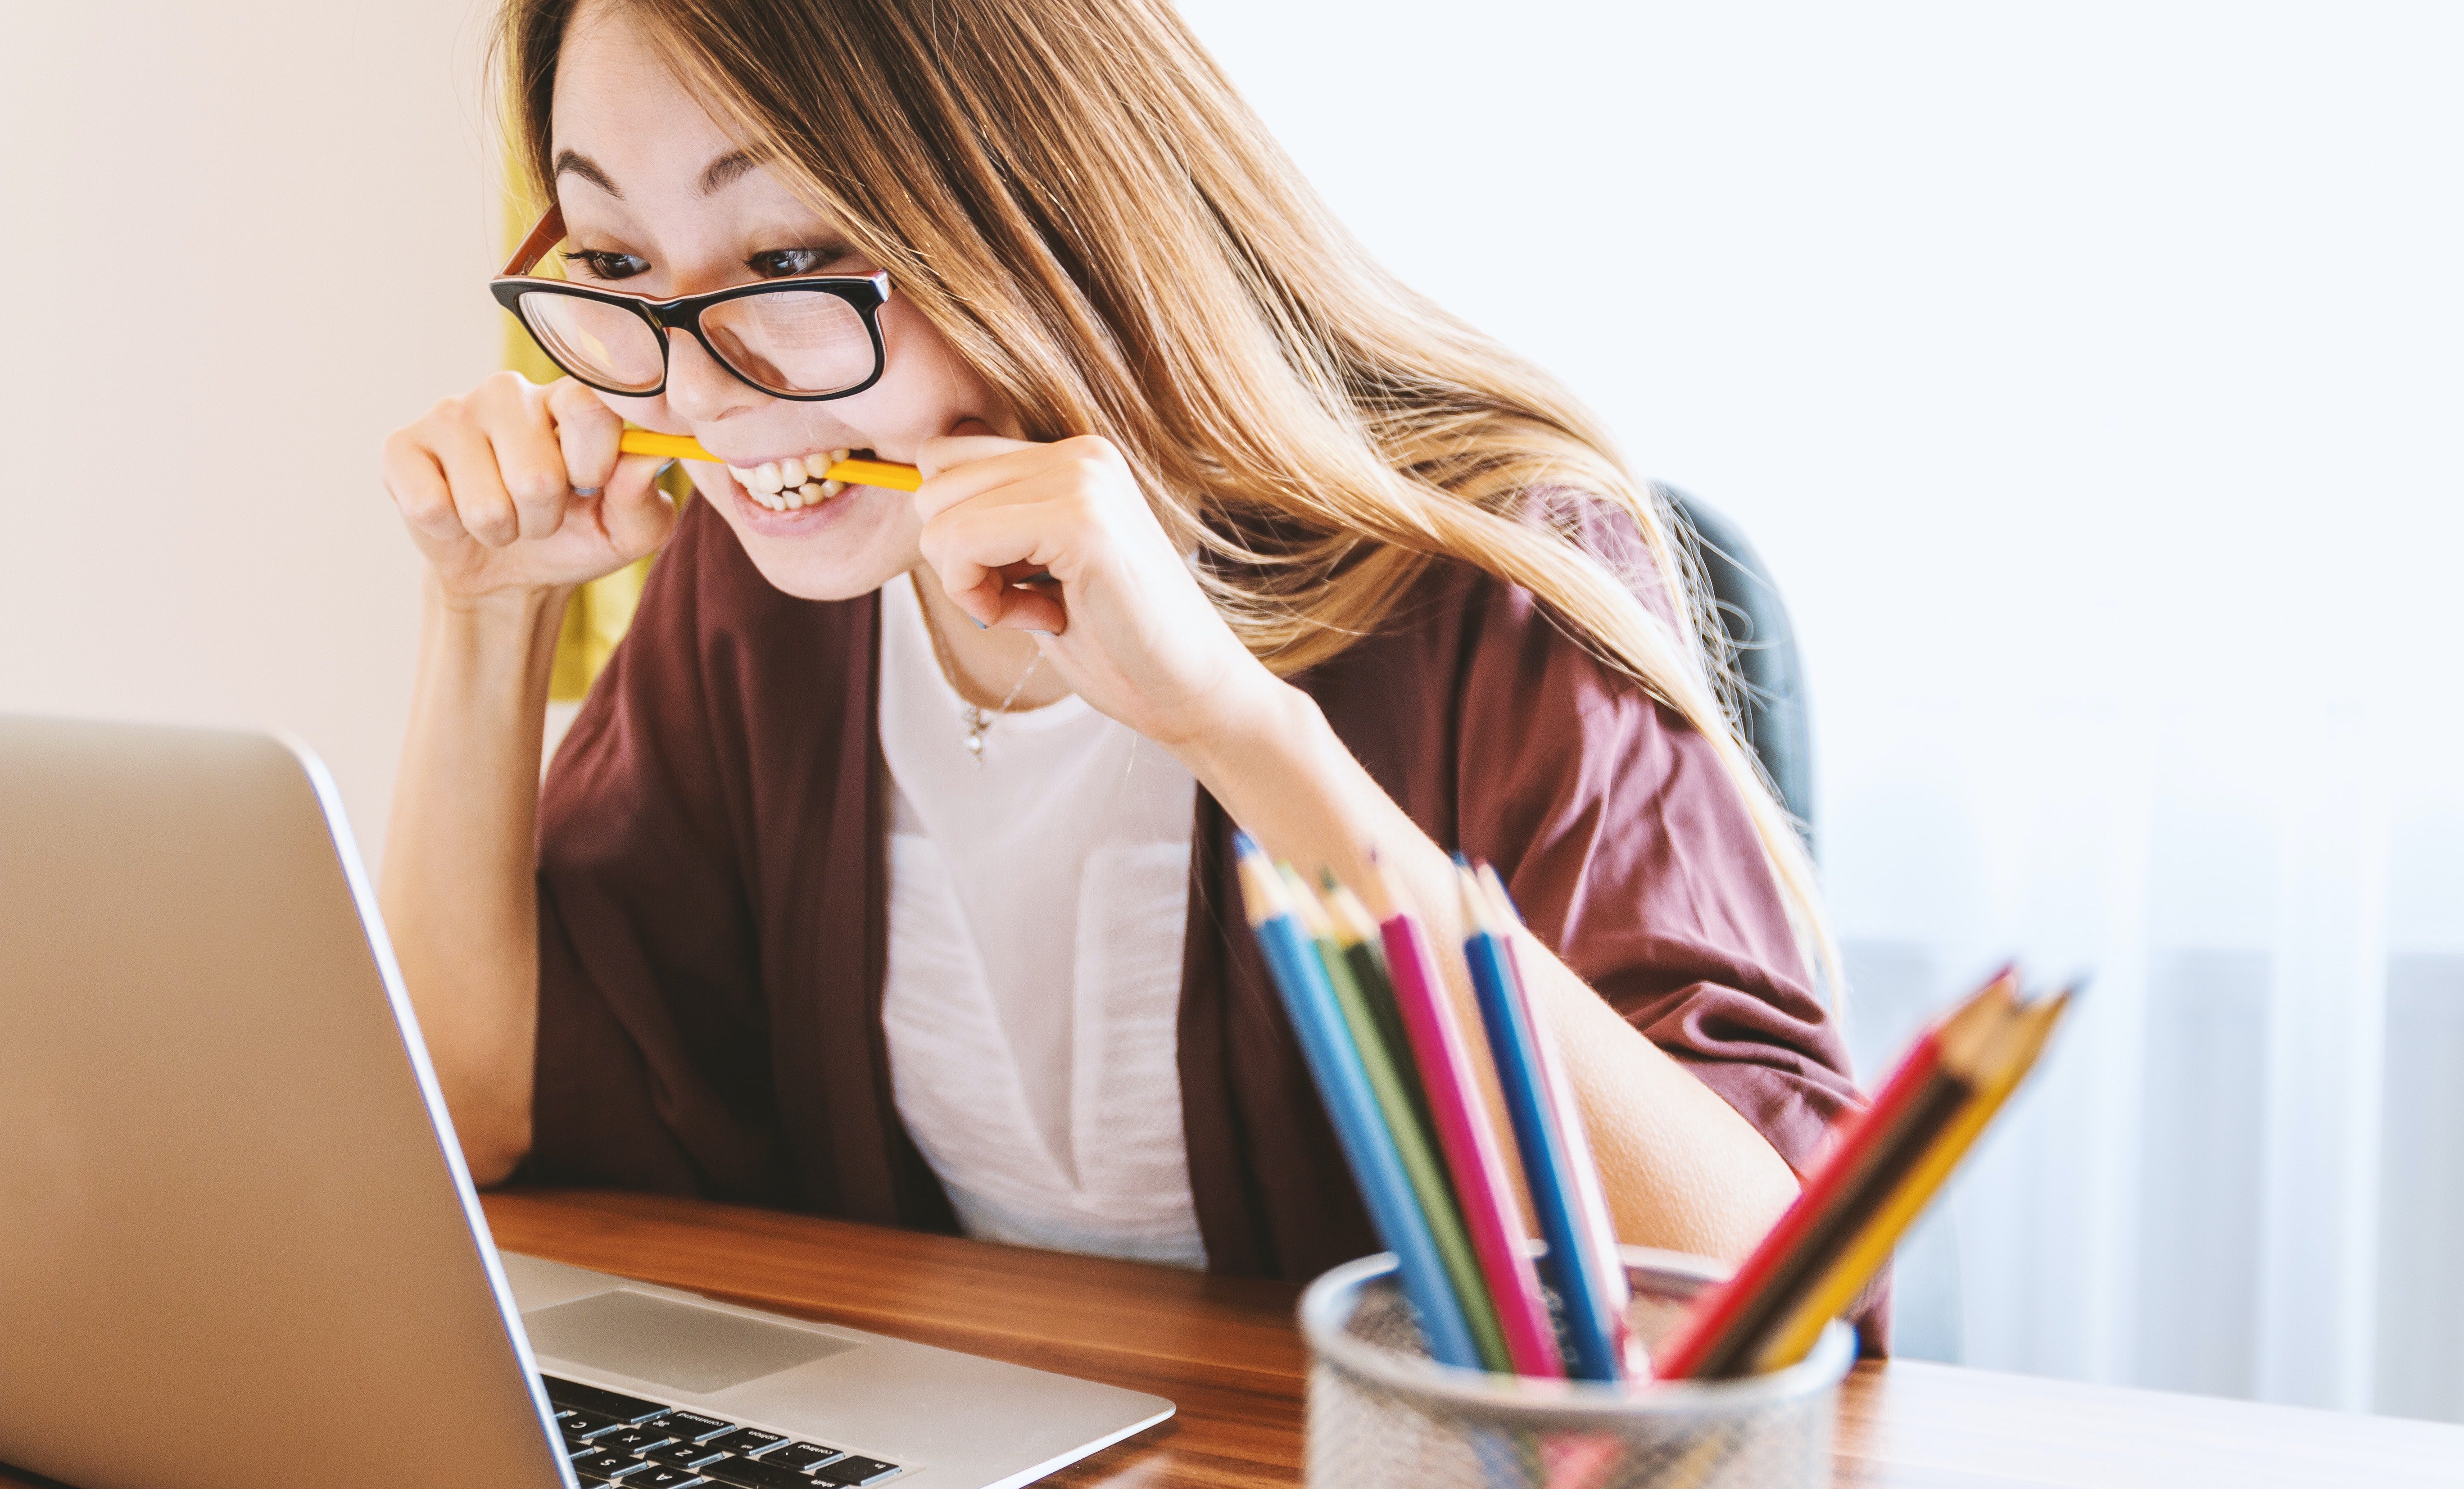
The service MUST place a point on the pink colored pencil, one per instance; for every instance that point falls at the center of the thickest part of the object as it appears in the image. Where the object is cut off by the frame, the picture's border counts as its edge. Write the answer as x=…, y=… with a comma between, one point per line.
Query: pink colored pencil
x=1465, y=1136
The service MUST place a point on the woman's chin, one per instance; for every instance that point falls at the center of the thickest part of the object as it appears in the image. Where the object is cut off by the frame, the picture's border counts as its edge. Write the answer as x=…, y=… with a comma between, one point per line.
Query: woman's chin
x=850, y=545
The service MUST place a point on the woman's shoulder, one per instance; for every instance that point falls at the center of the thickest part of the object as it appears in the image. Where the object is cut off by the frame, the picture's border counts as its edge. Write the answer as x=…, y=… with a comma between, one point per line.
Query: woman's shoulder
x=1458, y=622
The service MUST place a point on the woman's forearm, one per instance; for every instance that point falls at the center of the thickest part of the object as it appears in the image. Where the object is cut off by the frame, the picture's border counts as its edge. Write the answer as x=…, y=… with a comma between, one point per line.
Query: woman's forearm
x=457, y=887
x=1682, y=1169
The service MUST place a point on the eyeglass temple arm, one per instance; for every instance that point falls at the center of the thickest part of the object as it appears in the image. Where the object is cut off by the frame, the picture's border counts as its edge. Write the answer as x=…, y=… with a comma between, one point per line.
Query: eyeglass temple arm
x=543, y=238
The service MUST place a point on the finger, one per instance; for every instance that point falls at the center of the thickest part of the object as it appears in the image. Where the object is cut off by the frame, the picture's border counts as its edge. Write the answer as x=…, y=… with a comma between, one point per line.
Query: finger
x=586, y=433
x=638, y=515
x=991, y=472
x=1032, y=607
x=969, y=546
x=417, y=484
x=937, y=456
x=530, y=465
x=481, y=501
x=1000, y=603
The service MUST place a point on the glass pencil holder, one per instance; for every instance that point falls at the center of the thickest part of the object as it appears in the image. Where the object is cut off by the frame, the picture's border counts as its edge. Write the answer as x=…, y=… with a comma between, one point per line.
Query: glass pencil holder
x=1382, y=1413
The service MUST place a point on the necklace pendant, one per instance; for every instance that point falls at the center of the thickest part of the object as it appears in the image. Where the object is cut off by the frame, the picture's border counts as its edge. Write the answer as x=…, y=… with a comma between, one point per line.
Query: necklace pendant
x=975, y=722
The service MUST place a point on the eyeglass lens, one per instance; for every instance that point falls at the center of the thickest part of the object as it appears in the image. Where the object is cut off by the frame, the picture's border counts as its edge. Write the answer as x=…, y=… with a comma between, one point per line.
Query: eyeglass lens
x=792, y=341
x=603, y=344
x=785, y=342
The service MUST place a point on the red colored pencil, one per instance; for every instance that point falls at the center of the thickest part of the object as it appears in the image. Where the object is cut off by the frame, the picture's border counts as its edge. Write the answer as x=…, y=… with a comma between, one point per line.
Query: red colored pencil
x=1860, y=1144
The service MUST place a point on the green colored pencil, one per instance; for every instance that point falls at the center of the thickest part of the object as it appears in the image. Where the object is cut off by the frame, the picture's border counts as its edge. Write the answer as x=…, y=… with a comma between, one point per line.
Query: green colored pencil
x=1415, y=1139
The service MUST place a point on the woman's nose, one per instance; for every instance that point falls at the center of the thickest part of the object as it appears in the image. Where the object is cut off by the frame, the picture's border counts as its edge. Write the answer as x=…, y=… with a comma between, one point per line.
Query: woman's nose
x=699, y=387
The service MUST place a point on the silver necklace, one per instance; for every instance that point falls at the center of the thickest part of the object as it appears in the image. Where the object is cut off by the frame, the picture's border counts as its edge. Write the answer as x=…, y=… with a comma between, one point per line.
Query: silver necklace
x=978, y=721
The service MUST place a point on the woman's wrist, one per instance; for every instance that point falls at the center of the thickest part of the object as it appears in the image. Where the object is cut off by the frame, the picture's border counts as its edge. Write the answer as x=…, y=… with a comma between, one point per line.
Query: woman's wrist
x=480, y=654
x=499, y=613
x=1253, y=740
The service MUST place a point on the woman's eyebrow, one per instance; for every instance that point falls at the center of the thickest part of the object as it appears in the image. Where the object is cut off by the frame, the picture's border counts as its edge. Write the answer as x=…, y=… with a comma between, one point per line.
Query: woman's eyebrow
x=587, y=170
x=723, y=172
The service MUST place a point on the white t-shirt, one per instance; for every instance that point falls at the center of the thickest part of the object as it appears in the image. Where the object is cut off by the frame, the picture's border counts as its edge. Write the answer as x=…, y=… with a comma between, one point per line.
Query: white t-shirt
x=1038, y=904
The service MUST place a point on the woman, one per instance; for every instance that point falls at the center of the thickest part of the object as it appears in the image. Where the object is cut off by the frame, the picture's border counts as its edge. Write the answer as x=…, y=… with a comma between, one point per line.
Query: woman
x=886, y=872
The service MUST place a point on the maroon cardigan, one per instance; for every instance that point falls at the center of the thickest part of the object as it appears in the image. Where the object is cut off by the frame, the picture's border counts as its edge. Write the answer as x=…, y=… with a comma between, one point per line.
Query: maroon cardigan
x=713, y=904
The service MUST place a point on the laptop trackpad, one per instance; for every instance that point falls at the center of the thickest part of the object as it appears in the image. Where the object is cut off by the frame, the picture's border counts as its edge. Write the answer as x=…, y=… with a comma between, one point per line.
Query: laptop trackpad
x=681, y=1345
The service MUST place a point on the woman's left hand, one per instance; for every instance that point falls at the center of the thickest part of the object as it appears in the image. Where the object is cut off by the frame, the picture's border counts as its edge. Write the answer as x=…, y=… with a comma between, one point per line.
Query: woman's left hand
x=1130, y=628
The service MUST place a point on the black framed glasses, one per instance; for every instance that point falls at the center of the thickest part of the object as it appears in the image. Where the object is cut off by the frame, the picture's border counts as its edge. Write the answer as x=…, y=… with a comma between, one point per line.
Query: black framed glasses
x=808, y=339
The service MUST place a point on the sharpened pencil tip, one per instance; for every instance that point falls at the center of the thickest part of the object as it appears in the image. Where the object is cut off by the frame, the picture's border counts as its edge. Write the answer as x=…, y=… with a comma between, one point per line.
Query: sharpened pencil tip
x=1497, y=894
x=1305, y=904
x=1476, y=912
x=1261, y=890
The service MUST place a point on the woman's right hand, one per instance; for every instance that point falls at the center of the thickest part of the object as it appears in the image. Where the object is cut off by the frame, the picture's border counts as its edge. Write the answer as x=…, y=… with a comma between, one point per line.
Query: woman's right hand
x=516, y=488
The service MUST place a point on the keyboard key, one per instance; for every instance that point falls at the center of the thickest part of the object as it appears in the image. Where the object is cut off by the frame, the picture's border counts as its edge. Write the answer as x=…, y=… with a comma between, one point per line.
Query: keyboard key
x=800, y=1455
x=658, y=1475
x=746, y=1441
x=592, y=1398
x=754, y=1474
x=631, y=1439
x=577, y=1425
x=855, y=1471
x=691, y=1425
x=604, y=1467
x=684, y=1455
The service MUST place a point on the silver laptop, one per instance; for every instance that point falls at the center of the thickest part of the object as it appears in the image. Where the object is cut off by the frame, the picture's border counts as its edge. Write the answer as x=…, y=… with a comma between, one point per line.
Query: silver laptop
x=237, y=1245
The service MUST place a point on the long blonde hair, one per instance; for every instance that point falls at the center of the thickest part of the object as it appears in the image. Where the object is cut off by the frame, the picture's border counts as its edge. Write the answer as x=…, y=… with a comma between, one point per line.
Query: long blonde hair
x=1073, y=192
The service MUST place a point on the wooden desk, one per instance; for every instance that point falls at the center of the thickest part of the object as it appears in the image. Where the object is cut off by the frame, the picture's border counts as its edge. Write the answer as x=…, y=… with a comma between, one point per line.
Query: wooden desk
x=1227, y=1350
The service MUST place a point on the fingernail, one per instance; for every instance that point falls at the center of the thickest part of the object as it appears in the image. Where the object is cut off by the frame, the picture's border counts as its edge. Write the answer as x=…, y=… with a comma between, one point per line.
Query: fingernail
x=585, y=490
x=665, y=467
x=980, y=625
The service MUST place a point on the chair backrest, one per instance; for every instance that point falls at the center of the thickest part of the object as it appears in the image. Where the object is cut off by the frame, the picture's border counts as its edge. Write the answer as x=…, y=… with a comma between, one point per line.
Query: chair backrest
x=1776, y=723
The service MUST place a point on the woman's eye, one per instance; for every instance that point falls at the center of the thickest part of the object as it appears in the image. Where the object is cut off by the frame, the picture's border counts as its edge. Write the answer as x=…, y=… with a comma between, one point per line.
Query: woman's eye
x=601, y=264
x=780, y=264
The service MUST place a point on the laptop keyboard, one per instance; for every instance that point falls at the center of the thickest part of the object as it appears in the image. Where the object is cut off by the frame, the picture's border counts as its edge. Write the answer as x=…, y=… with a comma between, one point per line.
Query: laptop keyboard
x=614, y=1439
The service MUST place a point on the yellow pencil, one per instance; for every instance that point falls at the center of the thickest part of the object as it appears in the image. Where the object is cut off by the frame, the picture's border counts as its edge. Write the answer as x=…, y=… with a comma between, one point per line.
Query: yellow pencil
x=2017, y=1046
x=855, y=472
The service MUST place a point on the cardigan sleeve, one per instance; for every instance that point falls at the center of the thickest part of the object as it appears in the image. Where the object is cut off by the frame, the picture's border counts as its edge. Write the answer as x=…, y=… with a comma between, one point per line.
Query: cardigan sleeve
x=1628, y=848
x=651, y=1067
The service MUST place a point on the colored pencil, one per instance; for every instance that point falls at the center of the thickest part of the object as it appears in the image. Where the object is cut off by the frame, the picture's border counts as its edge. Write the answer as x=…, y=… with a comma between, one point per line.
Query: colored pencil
x=1343, y=1085
x=1598, y=1231
x=1591, y=1337
x=1867, y=1188
x=1849, y=1158
x=1998, y=1073
x=1458, y=1111
x=1898, y=1150
x=1384, y=1064
x=888, y=473
x=1357, y=932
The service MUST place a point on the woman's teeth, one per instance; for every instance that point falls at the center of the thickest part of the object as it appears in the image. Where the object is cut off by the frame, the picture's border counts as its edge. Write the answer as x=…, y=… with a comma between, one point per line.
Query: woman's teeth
x=792, y=484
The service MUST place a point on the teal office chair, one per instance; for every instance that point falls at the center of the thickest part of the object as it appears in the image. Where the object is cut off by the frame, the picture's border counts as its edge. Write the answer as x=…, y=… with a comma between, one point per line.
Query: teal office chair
x=1773, y=705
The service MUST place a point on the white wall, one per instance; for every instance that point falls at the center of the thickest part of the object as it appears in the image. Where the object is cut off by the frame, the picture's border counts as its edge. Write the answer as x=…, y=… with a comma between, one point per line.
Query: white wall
x=241, y=242
x=2089, y=376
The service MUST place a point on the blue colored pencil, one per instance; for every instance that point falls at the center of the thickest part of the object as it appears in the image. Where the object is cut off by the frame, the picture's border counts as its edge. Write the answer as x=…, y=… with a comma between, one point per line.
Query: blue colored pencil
x=1592, y=1333
x=1607, y=1266
x=1335, y=1063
